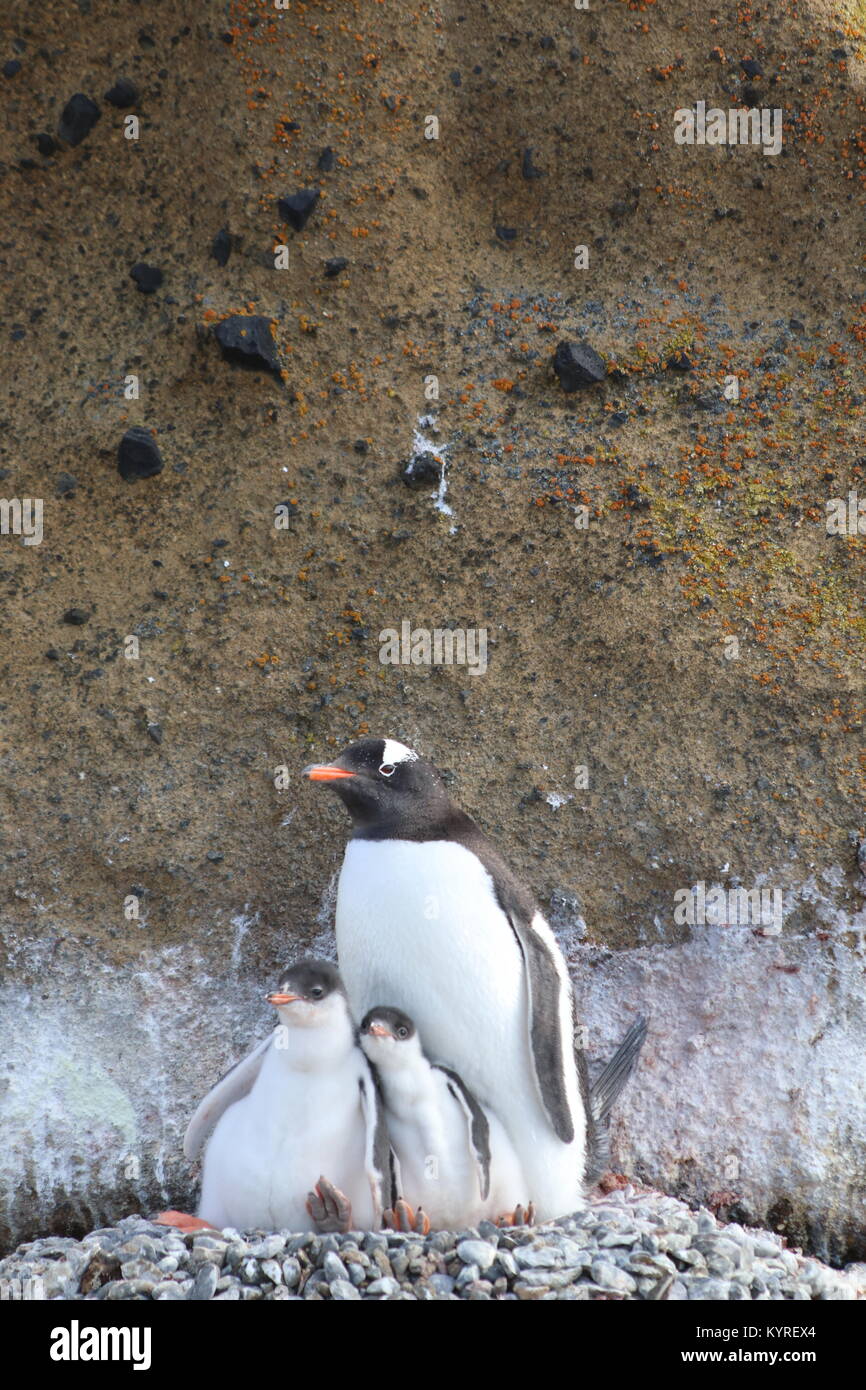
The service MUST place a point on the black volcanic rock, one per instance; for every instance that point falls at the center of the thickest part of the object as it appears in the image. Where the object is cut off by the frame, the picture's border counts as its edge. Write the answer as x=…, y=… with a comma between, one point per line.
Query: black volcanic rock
x=326, y=161
x=78, y=118
x=578, y=365
x=222, y=246
x=123, y=93
x=248, y=340
x=148, y=278
x=335, y=265
x=679, y=362
x=46, y=144
x=66, y=485
x=422, y=470
x=138, y=455
x=297, y=208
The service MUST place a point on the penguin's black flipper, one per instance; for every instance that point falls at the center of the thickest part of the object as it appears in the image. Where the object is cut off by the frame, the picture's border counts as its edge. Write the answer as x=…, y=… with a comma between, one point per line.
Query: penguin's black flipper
x=548, y=988
x=603, y=1094
x=477, y=1123
x=606, y=1088
x=547, y=992
x=378, y=1155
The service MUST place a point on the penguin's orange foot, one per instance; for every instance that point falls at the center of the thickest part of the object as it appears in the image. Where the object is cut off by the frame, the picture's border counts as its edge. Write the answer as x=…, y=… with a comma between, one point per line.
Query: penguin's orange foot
x=182, y=1221
x=330, y=1209
x=401, y=1217
x=521, y=1216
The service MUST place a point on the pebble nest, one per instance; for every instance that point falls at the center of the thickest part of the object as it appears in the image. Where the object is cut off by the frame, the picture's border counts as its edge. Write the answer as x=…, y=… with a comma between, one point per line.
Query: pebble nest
x=625, y=1245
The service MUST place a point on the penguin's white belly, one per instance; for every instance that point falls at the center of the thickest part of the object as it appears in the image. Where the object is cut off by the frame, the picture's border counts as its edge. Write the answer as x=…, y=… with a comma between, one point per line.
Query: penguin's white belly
x=269, y=1149
x=419, y=928
x=509, y=1186
x=439, y=1170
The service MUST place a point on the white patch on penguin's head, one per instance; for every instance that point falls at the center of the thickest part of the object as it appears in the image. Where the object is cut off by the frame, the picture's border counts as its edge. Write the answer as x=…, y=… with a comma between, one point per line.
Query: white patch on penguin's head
x=394, y=752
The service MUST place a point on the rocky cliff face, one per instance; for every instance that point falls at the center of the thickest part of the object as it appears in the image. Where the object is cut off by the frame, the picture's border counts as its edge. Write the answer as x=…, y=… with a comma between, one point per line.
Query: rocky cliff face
x=352, y=423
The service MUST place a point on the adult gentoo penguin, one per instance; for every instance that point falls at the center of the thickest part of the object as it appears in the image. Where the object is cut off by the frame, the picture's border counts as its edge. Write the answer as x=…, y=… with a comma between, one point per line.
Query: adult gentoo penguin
x=303, y=1103
x=430, y=918
x=453, y=1156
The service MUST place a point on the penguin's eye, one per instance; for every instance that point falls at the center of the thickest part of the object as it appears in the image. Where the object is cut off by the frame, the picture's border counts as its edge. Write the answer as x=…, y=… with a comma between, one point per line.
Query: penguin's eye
x=316, y=992
x=387, y=770
x=402, y=1032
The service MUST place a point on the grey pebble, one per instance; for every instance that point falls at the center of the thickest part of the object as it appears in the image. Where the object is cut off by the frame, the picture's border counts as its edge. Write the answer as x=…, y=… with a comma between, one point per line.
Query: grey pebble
x=608, y=1276
x=505, y=1264
x=204, y=1286
x=334, y=1267
x=530, y=1293
x=477, y=1252
x=441, y=1284
x=250, y=1271
x=531, y=1257
x=700, y=1288
x=268, y=1248
x=467, y=1275
x=167, y=1291
x=343, y=1291
x=383, y=1288
x=550, y=1278
x=611, y=1238
x=765, y=1247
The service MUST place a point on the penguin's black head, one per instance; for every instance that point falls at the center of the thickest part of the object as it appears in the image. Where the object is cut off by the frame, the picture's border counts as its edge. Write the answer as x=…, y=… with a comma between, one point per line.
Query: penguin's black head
x=386, y=787
x=383, y=1022
x=389, y=1039
x=309, y=982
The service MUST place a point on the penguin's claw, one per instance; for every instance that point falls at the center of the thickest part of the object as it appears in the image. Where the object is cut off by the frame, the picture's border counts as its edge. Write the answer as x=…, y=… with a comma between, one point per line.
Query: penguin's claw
x=330, y=1208
x=401, y=1217
x=182, y=1222
x=521, y=1216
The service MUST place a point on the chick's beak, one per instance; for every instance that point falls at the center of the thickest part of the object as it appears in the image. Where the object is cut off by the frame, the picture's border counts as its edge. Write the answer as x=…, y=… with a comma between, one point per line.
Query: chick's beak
x=277, y=999
x=325, y=772
x=378, y=1030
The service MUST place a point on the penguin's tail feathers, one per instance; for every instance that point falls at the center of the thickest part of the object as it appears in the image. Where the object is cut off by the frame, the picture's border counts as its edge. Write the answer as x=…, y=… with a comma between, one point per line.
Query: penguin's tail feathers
x=608, y=1085
x=603, y=1094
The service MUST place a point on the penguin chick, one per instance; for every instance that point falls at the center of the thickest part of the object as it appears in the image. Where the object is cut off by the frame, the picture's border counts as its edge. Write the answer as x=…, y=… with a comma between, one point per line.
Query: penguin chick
x=311, y=1108
x=454, y=1158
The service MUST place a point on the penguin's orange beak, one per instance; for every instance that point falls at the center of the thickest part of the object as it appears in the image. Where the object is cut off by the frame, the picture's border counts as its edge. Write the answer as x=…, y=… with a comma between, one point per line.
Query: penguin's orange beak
x=379, y=1030
x=277, y=999
x=325, y=772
